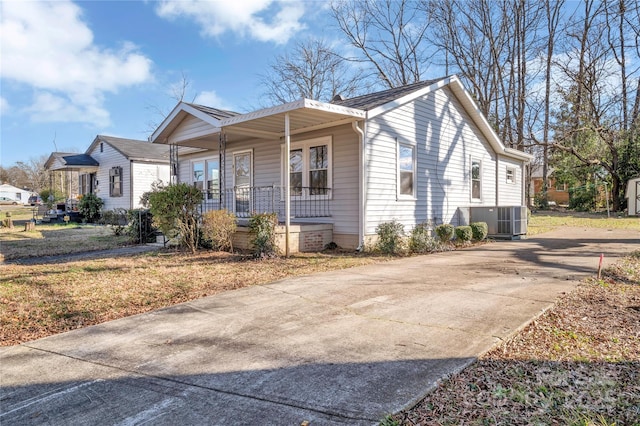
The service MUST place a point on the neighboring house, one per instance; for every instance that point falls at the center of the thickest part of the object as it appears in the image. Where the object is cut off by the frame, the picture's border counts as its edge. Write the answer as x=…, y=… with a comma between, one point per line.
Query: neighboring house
x=557, y=193
x=15, y=193
x=117, y=170
x=633, y=196
x=417, y=153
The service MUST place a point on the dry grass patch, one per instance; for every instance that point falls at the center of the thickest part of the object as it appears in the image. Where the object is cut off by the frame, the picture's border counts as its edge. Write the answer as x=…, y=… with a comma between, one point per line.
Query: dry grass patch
x=545, y=221
x=577, y=364
x=41, y=300
x=56, y=239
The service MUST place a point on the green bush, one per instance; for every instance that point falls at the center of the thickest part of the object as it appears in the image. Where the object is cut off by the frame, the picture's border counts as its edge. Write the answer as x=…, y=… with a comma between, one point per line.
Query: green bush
x=175, y=209
x=479, y=230
x=420, y=240
x=262, y=227
x=141, y=229
x=117, y=219
x=464, y=233
x=445, y=232
x=50, y=198
x=390, y=237
x=218, y=227
x=583, y=198
x=89, y=207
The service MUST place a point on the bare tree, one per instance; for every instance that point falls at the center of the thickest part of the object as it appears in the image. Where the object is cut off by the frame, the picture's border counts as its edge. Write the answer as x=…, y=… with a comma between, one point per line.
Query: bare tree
x=388, y=36
x=310, y=70
x=179, y=92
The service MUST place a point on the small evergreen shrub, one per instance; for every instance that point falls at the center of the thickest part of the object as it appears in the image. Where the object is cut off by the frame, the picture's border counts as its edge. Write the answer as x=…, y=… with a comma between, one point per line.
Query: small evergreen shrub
x=89, y=207
x=218, y=227
x=262, y=227
x=479, y=230
x=445, y=232
x=464, y=233
x=390, y=237
x=117, y=219
x=420, y=240
x=141, y=229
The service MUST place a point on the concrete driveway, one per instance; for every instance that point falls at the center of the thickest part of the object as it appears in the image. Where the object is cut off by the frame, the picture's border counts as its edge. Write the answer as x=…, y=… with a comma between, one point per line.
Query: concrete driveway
x=344, y=347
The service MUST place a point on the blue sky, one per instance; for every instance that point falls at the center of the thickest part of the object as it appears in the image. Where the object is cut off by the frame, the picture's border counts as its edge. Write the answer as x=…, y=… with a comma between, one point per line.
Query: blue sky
x=72, y=70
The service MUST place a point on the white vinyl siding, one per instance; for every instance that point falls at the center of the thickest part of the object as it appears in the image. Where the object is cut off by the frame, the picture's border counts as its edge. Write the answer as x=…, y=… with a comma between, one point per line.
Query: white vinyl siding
x=445, y=139
x=191, y=128
x=510, y=193
x=109, y=158
x=145, y=174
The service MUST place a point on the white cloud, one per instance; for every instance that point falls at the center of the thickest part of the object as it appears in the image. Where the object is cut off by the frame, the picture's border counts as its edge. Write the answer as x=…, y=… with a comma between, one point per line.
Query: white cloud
x=247, y=18
x=4, y=105
x=47, y=46
x=211, y=98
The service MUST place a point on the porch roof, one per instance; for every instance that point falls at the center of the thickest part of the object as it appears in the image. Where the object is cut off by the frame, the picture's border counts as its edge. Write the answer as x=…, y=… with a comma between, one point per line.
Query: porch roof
x=67, y=161
x=305, y=115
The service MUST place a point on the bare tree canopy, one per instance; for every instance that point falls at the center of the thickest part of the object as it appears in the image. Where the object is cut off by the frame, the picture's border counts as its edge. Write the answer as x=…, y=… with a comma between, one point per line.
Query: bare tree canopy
x=388, y=35
x=310, y=70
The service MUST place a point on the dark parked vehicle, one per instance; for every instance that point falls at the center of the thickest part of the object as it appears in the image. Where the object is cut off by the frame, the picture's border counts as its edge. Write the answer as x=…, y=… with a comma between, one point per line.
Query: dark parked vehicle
x=35, y=200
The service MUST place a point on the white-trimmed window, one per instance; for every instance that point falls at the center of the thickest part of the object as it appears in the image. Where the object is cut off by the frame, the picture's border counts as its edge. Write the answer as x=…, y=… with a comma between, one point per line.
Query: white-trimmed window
x=476, y=179
x=115, y=182
x=310, y=164
x=205, y=175
x=406, y=171
x=511, y=175
x=560, y=187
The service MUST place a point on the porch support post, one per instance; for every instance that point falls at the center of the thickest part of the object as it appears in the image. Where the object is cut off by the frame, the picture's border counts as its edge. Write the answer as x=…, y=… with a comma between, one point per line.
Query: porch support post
x=287, y=186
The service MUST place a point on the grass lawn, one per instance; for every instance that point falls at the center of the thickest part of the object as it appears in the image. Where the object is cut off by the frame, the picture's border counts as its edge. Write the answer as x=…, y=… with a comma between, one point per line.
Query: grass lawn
x=52, y=239
x=545, y=221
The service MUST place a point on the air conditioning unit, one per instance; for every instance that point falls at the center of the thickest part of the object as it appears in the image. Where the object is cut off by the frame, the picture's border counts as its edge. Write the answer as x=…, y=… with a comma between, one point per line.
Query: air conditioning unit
x=503, y=222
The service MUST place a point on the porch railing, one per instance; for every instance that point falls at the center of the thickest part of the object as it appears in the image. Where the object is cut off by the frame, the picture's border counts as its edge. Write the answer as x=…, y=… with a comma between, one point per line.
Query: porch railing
x=244, y=201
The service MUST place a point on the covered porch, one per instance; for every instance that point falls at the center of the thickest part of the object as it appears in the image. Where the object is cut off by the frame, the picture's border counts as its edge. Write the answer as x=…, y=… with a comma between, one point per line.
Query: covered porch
x=297, y=192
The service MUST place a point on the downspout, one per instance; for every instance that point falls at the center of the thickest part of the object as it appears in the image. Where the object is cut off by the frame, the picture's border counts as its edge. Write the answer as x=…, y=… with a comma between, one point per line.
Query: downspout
x=497, y=179
x=130, y=184
x=361, y=191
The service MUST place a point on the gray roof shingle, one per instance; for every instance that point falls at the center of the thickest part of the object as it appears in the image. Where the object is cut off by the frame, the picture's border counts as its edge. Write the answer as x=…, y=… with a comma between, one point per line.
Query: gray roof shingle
x=218, y=114
x=134, y=149
x=77, y=159
x=373, y=100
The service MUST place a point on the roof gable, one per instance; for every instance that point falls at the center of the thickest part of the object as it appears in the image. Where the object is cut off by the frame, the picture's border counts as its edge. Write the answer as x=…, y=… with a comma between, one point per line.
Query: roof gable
x=133, y=149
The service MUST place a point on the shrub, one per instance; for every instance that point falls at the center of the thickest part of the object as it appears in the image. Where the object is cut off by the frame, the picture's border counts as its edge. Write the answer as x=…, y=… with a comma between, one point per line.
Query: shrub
x=141, y=229
x=420, y=240
x=50, y=198
x=262, y=227
x=583, y=198
x=445, y=232
x=218, y=226
x=117, y=219
x=89, y=207
x=479, y=230
x=390, y=237
x=175, y=210
x=464, y=233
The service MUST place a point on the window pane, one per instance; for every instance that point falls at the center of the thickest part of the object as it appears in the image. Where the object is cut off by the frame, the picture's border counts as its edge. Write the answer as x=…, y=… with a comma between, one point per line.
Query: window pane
x=476, y=185
x=213, y=179
x=295, y=160
x=475, y=189
x=318, y=182
x=198, y=175
x=318, y=157
x=296, y=183
x=475, y=170
x=406, y=183
x=511, y=176
x=242, y=169
x=406, y=158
